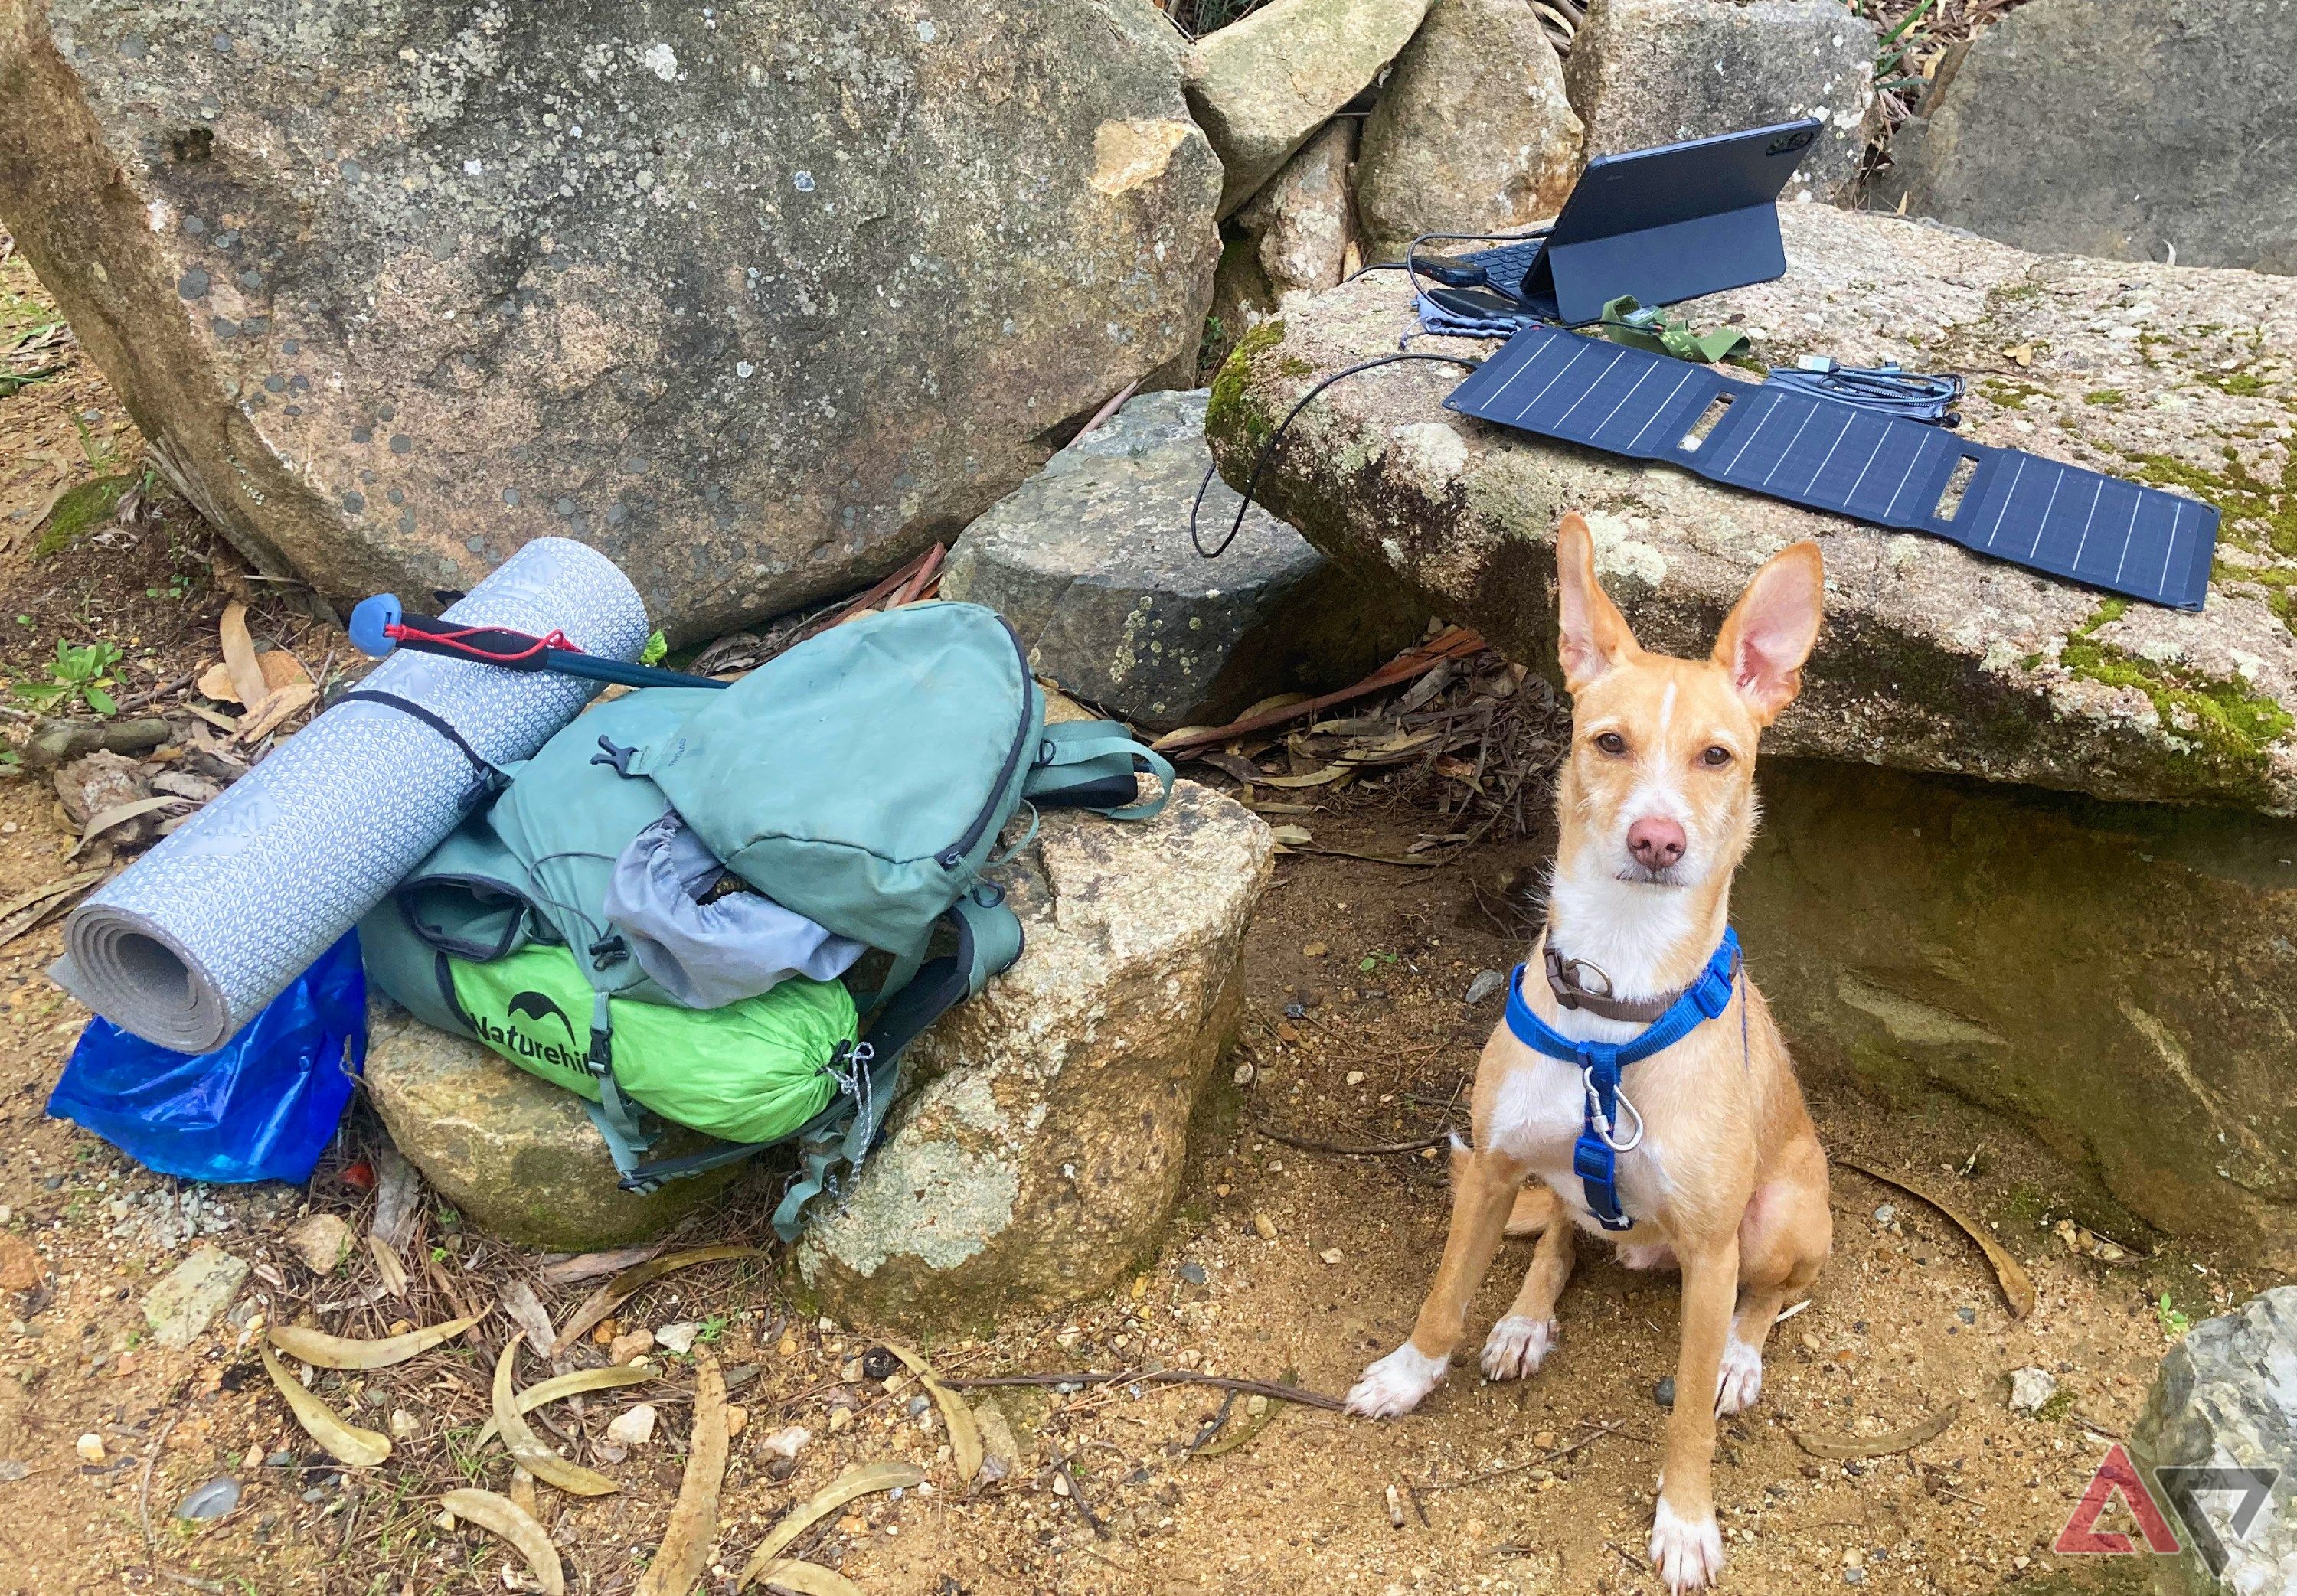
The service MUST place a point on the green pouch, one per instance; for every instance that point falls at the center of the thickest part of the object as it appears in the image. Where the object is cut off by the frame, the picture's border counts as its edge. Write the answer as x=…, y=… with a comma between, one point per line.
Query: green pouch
x=750, y=1071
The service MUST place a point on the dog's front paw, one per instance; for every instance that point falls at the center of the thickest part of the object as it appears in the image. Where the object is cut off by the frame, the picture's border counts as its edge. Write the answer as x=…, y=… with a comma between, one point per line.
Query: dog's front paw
x=1395, y=1384
x=1686, y=1553
x=1517, y=1348
x=1741, y=1380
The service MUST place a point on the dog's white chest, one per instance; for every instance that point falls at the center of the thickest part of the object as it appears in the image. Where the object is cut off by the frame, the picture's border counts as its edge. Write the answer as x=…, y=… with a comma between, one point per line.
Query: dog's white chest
x=1536, y=1117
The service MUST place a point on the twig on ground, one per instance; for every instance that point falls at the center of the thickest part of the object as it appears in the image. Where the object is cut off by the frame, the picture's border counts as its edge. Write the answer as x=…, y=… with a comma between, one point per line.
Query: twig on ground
x=143, y=1486
x=1453, y=644
x=1350, y=1149
x=173, y=685
x=1626, y=1556
x=1162, y=1376
x=1212, y=1425
x=1076, y=1495
x=1546, y=1458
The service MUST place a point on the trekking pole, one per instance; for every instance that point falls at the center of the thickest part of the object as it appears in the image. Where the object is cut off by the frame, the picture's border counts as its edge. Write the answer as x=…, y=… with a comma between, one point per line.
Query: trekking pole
x=379, y=625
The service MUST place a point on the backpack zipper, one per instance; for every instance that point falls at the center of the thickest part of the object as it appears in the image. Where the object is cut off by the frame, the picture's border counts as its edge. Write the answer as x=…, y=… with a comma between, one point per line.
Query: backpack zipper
x=948, y=858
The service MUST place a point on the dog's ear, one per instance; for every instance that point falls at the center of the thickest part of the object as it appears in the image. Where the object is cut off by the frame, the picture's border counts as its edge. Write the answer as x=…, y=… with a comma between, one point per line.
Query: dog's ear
x=1591, y=634
x=1771, y=629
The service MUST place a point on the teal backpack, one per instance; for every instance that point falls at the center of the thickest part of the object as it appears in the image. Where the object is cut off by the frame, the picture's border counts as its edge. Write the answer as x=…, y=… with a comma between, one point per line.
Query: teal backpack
x=860, y=779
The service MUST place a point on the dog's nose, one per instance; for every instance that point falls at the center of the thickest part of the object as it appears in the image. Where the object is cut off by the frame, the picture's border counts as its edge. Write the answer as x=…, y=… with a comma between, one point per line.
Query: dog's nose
x=1655, y=842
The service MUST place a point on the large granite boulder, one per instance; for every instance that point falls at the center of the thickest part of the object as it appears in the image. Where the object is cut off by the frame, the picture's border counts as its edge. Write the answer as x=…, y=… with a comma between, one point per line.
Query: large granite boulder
x=1040, y=1155
x=2119, y=977
x=1933, y=658
x=1473, y=130
x=759, y=301
x=1090, y=562
x=2226, y=1399
x=1301, y=217
x=515, y=1155
x=1904, y=954
x=2113, y=129
x=1261, y=87
x=1647, y=72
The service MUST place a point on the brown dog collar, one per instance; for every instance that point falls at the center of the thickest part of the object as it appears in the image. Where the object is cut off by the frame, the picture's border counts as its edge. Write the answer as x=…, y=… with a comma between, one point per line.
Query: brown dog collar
x=1567, y=978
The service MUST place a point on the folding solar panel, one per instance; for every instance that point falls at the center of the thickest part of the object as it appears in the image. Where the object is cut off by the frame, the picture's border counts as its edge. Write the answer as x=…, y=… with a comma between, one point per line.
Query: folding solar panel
x=1827, y=455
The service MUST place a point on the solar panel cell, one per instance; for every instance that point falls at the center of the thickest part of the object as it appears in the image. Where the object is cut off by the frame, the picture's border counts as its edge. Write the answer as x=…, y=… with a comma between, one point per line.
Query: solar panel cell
x=1893, y=471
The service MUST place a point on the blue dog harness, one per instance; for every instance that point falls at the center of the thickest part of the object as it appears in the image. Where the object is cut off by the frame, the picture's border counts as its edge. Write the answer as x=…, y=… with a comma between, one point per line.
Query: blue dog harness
x=1596, y=1157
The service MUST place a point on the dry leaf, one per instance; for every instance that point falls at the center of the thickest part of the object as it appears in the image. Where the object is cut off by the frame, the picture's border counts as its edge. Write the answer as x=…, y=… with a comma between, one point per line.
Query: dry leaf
x=522, y=1491
x=20, y=1265
x=2017, y=1289
x=278, y=709
x=589, y=1266
x=387, y=1265
x=500, y=1515
x=963, y=1433
x=527, y=1447
x=36, y=907
x=807, y=1579
x=239, y=657
x=685, y=1549
x=342, y=1352
x=220, y=722
x=527, y=1312
x=844, y=1488
x=2022, y=354
x=1849, y=1447
x=628, y=1284
x=344, y=1442
x=280, y=668
x=119, y=814
x=579, y=1383
x=398, y=1195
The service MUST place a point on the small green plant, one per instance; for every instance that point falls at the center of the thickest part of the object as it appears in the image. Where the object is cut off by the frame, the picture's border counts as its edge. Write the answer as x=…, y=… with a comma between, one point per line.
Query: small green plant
x=1374, y=959
x=2173, y=1322
x=80, y=674
x=656, y=649
x=714, y=1328
x=1890, y=58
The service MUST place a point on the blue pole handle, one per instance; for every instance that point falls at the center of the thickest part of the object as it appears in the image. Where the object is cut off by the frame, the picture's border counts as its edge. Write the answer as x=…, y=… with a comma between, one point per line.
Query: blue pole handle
x=369, y=617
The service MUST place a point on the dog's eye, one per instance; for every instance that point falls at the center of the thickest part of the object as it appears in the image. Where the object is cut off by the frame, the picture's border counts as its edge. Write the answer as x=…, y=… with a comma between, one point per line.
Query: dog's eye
x=1611, y=742
x=1716, y=758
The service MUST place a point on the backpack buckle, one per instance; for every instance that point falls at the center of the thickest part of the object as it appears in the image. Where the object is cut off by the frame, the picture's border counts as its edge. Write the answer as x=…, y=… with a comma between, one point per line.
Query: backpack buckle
x=618, y=757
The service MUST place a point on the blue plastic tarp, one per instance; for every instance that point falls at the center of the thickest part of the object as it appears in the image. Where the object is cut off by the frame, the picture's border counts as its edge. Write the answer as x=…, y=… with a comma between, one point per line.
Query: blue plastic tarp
x=263, y=1107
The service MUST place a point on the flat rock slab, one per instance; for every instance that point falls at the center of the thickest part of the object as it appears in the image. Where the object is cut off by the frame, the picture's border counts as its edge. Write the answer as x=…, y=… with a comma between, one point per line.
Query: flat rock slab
x=1040, y=1151
x=1091, y=562
x=191, y=1296
x=2114, y=129
x=1932, y=659
x=2225, y=1398
x=759, y=303
x=517, y=1156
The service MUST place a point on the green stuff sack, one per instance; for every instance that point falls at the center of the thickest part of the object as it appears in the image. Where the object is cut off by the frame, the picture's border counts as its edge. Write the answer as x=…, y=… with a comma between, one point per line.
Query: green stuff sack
x=750, y=1071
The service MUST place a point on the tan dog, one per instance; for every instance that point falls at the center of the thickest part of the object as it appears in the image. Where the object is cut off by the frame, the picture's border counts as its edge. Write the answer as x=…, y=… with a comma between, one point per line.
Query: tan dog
x=1656, y=802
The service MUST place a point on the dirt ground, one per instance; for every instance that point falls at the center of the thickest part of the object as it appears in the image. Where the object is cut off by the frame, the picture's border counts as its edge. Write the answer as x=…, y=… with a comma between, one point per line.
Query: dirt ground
x=1283, y=1261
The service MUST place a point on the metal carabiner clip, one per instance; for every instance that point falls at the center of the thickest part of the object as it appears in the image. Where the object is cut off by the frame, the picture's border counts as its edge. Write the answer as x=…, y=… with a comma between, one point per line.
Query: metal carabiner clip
x=1601, y=1123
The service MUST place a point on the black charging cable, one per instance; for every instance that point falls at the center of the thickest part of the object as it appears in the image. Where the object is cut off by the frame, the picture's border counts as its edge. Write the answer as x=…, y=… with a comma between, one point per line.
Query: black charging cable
x=1252, y=482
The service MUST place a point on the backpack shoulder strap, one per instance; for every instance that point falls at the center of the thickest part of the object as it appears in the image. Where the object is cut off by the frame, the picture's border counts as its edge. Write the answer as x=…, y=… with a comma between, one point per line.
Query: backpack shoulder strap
x=989, y=938
x=1091, y=764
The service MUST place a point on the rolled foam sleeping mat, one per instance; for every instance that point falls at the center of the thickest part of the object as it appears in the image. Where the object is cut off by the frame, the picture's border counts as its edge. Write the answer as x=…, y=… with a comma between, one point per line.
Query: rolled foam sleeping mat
x=189, y=944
